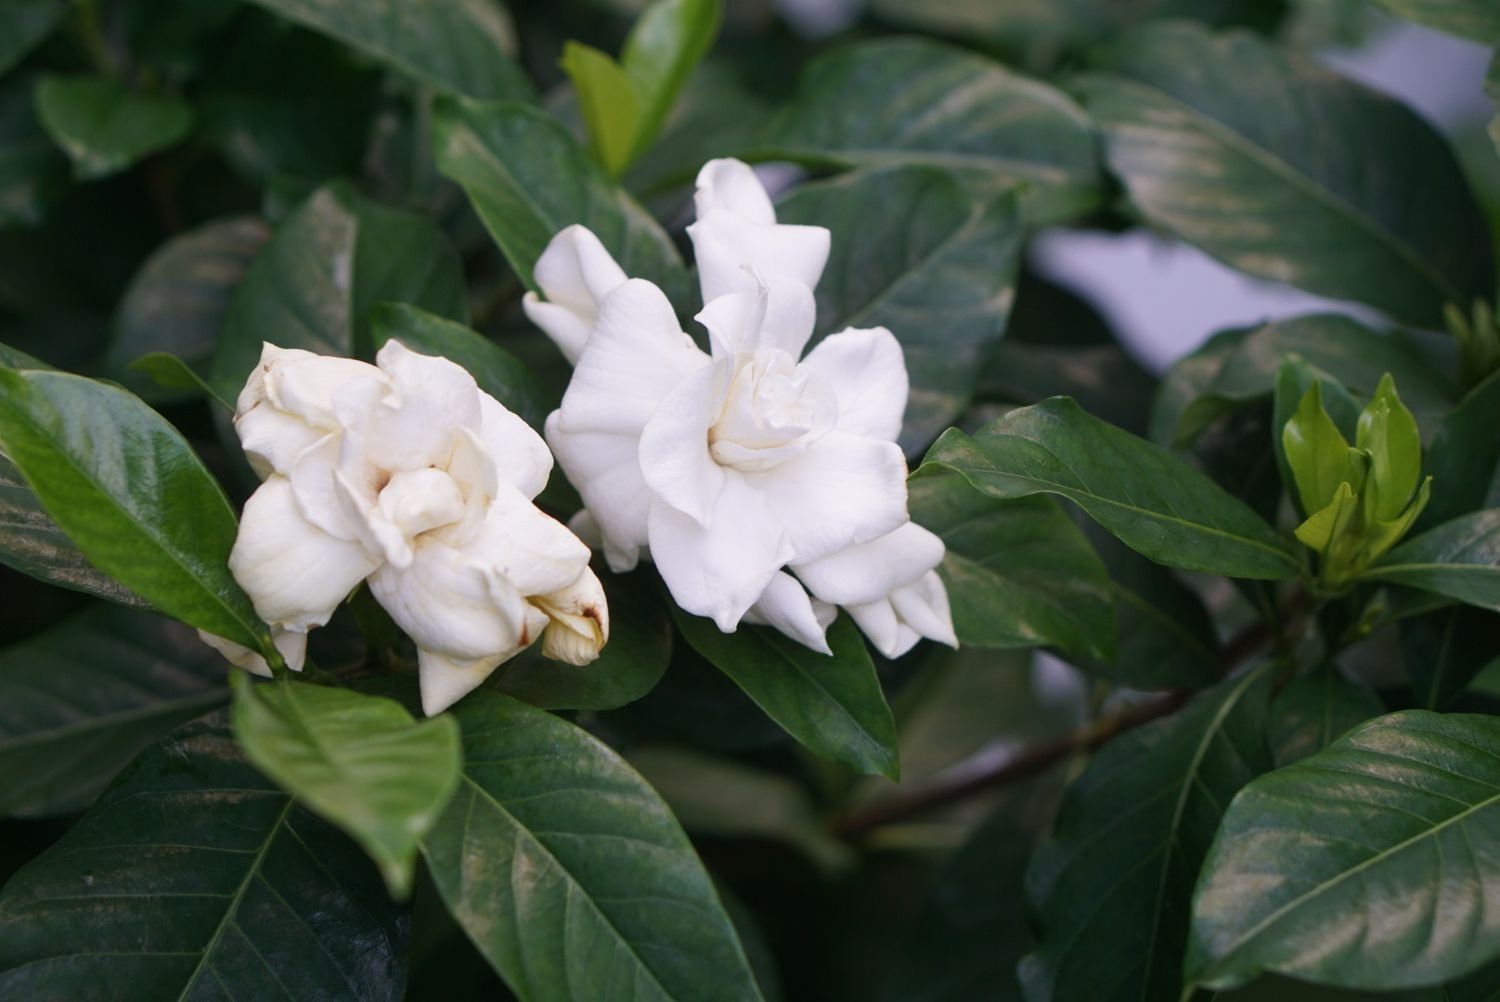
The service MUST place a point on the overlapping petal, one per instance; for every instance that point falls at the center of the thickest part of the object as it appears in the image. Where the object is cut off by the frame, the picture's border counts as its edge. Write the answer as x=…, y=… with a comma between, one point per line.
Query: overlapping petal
x=575, y=273
x=867, y=371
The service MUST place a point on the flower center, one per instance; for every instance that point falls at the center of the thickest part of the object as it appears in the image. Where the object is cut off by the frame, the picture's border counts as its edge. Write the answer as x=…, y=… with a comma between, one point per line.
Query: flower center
x=419, y=500
x=772, y=410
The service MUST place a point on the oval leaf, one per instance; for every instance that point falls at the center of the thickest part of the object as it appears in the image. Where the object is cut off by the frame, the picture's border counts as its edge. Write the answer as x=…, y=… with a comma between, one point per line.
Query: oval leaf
x=1315, y=709
x=1267, y=162
x=1459, y=559
x=359, y=761
x=1367, y=865
x=130, y=493
x=569, y=873
x=195, y=877
x=1151, y=500
x=833, y=705
x=105, y=128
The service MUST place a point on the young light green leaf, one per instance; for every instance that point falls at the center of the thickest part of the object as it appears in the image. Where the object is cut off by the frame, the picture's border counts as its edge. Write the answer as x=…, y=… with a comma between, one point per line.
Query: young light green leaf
x=130, y=493
x=1153, y=501
x=188, y=874
x=1019, y=573
x=1204, y=129
x=570, y=874
x=1372, y=842
x=1319, y=455
x=833, y=705
x=941, y=279
x=665, y=44
x=1331, y=522
x=914, y=101
x=528, y=179
x=1388, y=432
x=1313, y=710
x=105, y=128
x=358, y=761
x=81, y=700
x=1459, y=559
x=1110, y=890
x=1294, y=381
x=462, y=46
x=611, y=107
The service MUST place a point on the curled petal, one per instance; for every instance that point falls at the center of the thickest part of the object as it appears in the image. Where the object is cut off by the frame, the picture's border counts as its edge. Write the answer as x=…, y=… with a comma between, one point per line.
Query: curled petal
x=731, y=249
x=415, y=425
x=291, y=644
x=867, y=371
x=674, y=451
x=578, y=621
x=731, y=184
x=774, y=312
x=295, y=573
x=843, y=489
x=273, y=440
x=786, y=605
x=532, y=551
x=575, y=272
x=306, y=385
x=894, y=624
x=719, y=570
x=869, y=571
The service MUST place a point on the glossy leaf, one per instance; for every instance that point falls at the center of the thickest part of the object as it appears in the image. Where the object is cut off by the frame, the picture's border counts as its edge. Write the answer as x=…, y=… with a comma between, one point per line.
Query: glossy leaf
x=663, y=47
x=497, y=371
x=940, y=276
x=1464, y=458
x=1019, y=573
x=1153, y=502
x=463, y=46
x=1313, y=710
x=913, y=101
x=528, y=179
x=79, y=701
x=1459, y=559
x=1320, y=458
x=1294, y=383
x=177, y=301
x=1388, y=432
x=629, y=666
x=131, y=494
x=23, y=25
x=105, y=128
x=570, y=875
x=1110, y=889
x=194, y=877
x=1286, y=171
x=1476, y=20
x=1382, y=850
x=833, y=705
x=358, y=761
x=1104, y=379
x=1446, y=649
x=607, y=98
x=313, y=285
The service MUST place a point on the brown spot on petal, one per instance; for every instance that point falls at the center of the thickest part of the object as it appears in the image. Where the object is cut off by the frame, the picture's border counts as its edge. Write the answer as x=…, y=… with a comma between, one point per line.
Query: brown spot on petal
x=525, y=634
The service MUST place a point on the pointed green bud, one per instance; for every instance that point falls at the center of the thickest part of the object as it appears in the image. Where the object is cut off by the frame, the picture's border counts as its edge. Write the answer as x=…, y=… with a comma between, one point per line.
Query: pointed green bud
x=1388, y=432
x=1381, y=536
x=1328, y=524
x=1318, y=454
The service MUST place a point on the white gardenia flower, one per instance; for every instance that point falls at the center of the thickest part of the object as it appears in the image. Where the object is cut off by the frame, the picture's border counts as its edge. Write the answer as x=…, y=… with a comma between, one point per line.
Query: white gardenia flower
x=766, y=486
x=406, y=474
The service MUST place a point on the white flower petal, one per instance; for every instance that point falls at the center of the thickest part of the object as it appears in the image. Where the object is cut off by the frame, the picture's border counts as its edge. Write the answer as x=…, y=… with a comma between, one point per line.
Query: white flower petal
x=416, y=425
x=786, y=605
x=674, y=452
x=773, y=313
x=731, y=184
x=843, y=489
x=878, y=621
x=444, y=680
x=867, y=370
x=520, y=456
x=295, y=573
x=532, y=551
x=575, y=273
x=304, y=385
x=272, y=439
x=318, y=496
x=607, y=474
x=291, y=644
x=726, y=244
x=865, y=572
x=923, y=605
x=721, y=570
x=254, y=390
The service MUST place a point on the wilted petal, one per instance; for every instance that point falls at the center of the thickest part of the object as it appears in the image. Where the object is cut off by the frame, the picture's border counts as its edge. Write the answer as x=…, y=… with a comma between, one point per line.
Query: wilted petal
x=415, y=426
x=674, y=452
x=520, y=456
x=295, y=573
x=291, y=644
x=575, y=273
x=720, y=570
x=868, y=373
x=786, y=605
x=865, y=572
x=578, y=621
x=843, y=489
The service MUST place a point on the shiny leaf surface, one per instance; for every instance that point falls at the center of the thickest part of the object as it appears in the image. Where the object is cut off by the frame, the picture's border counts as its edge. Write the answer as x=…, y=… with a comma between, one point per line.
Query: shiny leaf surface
x=1459, y=559
x=1313, y=710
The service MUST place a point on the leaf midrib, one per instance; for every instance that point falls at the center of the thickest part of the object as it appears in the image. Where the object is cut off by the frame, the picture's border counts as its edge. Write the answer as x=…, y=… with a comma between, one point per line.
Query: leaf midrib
x=166, y=707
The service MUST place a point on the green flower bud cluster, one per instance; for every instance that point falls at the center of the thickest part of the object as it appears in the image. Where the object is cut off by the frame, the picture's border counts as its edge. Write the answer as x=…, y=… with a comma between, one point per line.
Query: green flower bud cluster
x=1361, y=499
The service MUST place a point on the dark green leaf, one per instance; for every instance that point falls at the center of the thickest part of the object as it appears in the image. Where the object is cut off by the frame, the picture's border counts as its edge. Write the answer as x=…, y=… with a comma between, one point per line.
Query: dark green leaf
x=1492, y=88
x=1367, y=865
x=194, y=877
x=359, y=761
x=1315, y=708
x=177, y=301
x=314, y=284
x=1286, y=171
x=34, y=545
x=33, y=172
x=1103, y=378
x=1446, y=649
x=1019, y=573
x=130, y=493
x=570, y=875
x=1111, y=888
x=23, y=24
x=168, y=372
x=497, y=371
x=1476, y=20
x=105, y=128
x=463, y=46
x=833, y=705
x=1464, y=458
x=664, y=46
x=1459, y=559
x=78, y=702
x=1481, y=986
x=1155, y=503
x=634, y=660
x=940, y=274
x=913, y=101
x=528, y=179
